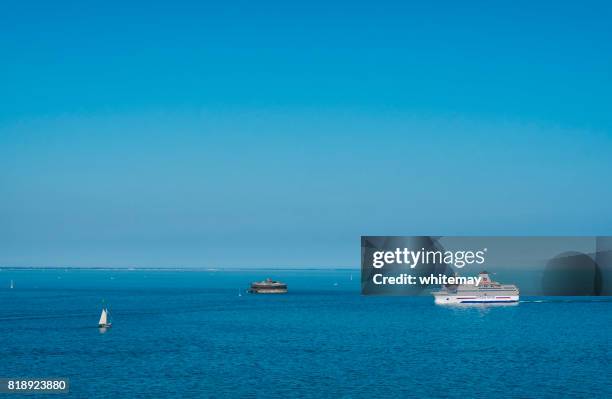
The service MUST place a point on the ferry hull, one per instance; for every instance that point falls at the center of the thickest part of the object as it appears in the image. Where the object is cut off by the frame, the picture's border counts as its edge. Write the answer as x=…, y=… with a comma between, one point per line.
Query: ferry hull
x=460, y=299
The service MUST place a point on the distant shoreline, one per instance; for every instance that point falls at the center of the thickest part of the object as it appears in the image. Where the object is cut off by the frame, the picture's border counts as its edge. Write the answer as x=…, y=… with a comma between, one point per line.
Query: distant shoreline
x=195, y=269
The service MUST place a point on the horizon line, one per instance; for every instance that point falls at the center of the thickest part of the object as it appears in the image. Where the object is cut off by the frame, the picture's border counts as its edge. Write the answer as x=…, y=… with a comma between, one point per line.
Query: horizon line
x=194, y=268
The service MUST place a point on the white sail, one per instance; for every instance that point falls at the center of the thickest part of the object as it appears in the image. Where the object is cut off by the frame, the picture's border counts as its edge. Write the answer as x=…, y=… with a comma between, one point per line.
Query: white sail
x=102, y=321
x=12, y=285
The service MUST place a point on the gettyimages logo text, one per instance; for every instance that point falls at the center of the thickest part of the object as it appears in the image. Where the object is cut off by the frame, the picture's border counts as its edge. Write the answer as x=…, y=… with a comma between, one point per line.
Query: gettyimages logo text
x=422, y=256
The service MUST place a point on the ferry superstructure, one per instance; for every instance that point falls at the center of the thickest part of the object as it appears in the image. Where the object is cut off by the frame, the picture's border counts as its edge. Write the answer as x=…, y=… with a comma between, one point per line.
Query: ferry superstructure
x=487, y=291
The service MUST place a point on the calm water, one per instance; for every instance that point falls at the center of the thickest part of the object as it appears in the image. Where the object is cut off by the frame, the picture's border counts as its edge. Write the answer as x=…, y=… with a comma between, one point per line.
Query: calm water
x=189, y=334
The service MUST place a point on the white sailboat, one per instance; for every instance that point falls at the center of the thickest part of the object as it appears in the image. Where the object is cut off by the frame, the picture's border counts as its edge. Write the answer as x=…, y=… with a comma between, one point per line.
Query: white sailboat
x=104, y=319
x=12, y=284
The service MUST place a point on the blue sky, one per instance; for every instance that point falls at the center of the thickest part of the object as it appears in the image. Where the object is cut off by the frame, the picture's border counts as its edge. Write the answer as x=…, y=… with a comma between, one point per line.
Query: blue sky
x=275, y=134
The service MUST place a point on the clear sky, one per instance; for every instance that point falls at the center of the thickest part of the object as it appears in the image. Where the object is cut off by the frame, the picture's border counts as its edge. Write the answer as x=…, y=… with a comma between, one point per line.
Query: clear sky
x=276, y=133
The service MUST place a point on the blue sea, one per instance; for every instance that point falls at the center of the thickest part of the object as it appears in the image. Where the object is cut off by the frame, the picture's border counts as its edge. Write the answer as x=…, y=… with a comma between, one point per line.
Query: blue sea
x=188, y=334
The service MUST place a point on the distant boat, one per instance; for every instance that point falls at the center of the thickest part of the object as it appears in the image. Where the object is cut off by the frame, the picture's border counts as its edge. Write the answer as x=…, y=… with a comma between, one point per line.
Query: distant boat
x=239, y=293
x=104, y=322
x=486, y=291
x=351, y=277
x=12, y=284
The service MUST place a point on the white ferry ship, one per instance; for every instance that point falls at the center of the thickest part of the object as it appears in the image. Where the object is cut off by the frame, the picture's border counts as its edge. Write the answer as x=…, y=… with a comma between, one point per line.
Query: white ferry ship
x=486, y=291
